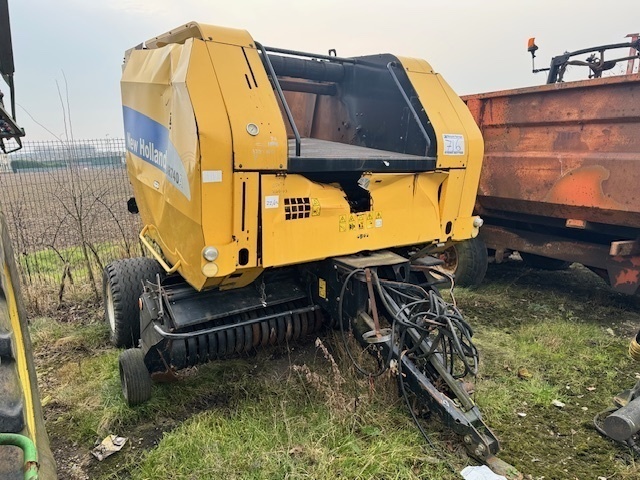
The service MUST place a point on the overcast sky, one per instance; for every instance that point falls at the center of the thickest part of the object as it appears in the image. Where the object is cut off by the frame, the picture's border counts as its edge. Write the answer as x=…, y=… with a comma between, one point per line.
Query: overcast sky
x=477, y=45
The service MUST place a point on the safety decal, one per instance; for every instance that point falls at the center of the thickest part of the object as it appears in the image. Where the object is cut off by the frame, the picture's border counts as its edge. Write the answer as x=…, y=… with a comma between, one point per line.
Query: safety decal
x=342, y=224
x=360, y=221
x=352, y=222
x=322, y=288
x=315, y=207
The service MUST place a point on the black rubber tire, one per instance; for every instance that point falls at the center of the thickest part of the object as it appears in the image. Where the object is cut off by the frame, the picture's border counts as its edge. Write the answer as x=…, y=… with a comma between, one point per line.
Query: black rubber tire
x=544, y=263
x=121, y=289
x=471, y=262
x=134, y=377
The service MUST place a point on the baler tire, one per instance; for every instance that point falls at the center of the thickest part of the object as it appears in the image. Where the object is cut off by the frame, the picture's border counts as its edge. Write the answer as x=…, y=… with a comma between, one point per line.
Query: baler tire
x=121, y=288
x=134, y=377
x=470, y=262
x=543, y=263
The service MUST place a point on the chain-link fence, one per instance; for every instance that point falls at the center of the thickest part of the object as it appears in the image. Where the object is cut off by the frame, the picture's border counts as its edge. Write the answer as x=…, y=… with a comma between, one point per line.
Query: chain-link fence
x=65, y=204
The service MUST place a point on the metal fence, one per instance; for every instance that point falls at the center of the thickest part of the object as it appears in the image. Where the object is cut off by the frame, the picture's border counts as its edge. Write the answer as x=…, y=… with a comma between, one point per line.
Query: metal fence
x=65, y=204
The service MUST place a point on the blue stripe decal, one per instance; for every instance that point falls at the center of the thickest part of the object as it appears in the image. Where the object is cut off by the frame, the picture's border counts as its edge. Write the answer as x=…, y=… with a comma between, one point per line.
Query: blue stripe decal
x=149, y=140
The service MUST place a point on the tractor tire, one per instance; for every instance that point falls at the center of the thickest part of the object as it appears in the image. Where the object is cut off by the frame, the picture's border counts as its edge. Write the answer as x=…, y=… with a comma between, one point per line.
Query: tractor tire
x=544, y=263
x=466, y=261
x=18, y=373
x=134, y=377
x=121, y=288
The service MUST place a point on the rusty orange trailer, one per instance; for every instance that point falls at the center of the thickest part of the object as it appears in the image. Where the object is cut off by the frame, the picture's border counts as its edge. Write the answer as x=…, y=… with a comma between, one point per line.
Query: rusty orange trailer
x=561, y=174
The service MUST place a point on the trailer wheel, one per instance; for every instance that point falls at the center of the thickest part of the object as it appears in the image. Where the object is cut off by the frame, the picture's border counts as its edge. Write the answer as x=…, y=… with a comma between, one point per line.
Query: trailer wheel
x=121, y=288
x=466, y=260
x=544, y=263
x=134, y=377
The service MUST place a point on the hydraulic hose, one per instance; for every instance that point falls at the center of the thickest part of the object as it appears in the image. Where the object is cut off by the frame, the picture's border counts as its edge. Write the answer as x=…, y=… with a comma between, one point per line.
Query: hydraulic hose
x=29, y=452
x=357, y=366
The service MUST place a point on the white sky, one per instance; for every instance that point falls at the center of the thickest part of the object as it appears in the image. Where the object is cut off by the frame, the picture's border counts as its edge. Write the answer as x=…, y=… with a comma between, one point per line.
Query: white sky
x=478, y=45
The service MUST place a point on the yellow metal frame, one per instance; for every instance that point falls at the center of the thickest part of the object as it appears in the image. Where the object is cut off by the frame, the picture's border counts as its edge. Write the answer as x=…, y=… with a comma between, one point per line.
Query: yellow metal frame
x=20, y=354
x=199, y=88
x=143, y=238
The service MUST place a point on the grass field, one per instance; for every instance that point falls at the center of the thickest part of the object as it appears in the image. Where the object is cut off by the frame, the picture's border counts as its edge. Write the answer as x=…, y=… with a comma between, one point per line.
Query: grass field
x=292, y=413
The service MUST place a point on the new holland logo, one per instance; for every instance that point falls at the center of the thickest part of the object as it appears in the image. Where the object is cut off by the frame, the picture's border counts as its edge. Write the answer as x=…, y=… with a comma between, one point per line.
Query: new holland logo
x=149, y=140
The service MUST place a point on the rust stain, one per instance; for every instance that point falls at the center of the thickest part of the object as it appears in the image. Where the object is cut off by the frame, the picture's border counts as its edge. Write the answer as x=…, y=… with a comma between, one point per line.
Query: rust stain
x=564, y=151
x=624, y=273
x=569, y=141
x=583, y=187
x=627, y=277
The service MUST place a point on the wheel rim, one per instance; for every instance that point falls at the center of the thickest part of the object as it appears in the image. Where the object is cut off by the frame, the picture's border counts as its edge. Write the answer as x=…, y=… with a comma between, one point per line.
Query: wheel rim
x=111, y=315
x=123, y=384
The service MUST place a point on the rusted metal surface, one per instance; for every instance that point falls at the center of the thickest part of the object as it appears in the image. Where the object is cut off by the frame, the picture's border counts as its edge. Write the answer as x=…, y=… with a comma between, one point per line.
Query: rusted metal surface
x=562, y=162
x=546, y=245
x=565, y=150
x=622, y=272
x=625, y=248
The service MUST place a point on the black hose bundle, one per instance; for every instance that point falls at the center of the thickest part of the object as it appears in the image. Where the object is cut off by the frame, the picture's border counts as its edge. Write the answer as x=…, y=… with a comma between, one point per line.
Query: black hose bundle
x=426, y=313
x=423, y=324
x=417, y=314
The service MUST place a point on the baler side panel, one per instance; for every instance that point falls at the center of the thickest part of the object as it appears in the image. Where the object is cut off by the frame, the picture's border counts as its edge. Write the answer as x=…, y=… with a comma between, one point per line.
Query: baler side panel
x=162, y=161
x=404, y=212
x=450, y=194
x=450, y=116
x=245, y=217
x=249, y=100
x=216, y=160
x=463, y=228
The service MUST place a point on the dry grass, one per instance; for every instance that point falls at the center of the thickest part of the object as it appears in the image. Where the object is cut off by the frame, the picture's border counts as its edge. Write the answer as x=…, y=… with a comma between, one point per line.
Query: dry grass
x=52, y=213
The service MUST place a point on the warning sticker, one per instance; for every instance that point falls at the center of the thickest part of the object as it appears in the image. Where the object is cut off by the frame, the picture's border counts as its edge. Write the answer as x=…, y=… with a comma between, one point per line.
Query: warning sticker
x=352, y=222
x=361, y=222
x=342, y=224
x=378, y=220
x=322, y=288
x=370, y=220
x=315, y=207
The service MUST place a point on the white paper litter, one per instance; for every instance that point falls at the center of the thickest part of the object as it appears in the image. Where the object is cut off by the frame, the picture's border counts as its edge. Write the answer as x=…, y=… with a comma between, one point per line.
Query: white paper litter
x=110, y=445
x=480, y=473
